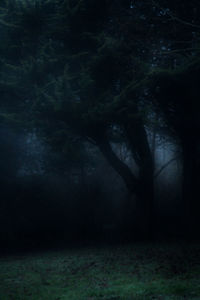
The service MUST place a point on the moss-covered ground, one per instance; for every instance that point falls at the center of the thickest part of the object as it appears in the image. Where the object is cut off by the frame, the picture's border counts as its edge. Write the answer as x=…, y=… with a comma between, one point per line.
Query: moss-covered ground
x=137, y=271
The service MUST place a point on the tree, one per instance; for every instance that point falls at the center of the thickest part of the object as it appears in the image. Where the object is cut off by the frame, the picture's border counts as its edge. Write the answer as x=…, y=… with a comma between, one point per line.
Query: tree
x=176, y=92
x=82, y=76
x=177, y=95
x=81, y=69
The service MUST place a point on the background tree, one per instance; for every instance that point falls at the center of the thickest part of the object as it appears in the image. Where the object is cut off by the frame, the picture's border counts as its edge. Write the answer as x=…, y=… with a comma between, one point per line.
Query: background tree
x=176, y=95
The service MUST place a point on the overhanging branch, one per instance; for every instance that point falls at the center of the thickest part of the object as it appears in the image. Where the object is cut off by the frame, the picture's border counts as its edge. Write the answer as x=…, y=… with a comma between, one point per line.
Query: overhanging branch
x=157, y=173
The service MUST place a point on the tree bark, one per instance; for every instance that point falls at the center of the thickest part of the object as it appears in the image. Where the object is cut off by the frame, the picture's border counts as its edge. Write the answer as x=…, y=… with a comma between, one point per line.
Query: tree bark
x=142, y=187
x=190, y=185
x=119, y=166
x=140, y=148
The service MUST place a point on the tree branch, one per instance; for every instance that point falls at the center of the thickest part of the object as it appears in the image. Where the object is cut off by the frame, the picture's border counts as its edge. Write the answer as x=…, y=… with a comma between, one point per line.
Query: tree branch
x=180, y=50
x=4, y=23
x=119, y=166
x=175, y=18
x=157, y=173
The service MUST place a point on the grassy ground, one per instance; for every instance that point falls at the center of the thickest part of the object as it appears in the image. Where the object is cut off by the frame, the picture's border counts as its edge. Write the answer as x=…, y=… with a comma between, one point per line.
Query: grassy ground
x=142, y=271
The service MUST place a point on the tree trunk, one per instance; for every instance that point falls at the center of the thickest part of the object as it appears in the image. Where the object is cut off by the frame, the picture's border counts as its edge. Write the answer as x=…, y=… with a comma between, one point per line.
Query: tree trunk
x=131, y=182
x=140, y=148
x=190, y=186
x=142, y=187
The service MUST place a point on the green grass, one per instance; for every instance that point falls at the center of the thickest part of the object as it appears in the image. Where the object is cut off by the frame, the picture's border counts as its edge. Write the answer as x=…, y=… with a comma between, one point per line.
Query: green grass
x=141, y=271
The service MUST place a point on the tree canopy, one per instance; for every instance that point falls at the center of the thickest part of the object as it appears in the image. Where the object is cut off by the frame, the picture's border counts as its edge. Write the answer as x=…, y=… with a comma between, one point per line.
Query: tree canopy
x=90, y=70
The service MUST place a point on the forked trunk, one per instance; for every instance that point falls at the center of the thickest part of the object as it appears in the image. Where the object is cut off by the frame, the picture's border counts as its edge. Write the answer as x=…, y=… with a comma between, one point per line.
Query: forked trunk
x=142, y=187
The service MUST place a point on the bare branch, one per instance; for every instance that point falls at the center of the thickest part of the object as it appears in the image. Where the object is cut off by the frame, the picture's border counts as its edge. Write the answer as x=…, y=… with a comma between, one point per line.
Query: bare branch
x=157, y=173
x=175, y=18
x=180, y=50
x=2, y=22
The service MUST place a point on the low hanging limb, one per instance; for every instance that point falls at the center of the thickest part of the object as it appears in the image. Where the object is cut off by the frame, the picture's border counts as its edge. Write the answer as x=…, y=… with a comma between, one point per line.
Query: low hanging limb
x=157, y=173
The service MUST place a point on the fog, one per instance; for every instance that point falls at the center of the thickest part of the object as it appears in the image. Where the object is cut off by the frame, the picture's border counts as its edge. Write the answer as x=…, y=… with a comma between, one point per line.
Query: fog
x=42, y=201
x=97, y=143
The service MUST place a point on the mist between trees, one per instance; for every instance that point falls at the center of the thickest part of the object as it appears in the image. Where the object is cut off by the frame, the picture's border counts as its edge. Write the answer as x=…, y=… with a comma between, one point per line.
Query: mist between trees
x=99, y=120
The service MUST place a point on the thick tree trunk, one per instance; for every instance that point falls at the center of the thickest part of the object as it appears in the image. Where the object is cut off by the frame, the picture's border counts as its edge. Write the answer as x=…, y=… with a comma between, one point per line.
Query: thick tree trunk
x=190, y=186
x=142, y=187
x=140, y=148
x=131, y=182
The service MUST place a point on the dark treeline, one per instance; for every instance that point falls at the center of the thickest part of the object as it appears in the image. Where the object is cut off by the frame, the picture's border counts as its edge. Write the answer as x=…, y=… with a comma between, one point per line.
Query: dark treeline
x=92, y=92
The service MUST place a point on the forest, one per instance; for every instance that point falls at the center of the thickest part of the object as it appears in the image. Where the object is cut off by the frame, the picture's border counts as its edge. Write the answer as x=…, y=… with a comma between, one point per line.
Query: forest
x=100, y=145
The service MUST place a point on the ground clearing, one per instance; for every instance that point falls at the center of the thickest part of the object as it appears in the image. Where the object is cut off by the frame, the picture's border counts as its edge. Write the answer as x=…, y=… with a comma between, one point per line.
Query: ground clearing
x=133, y=272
